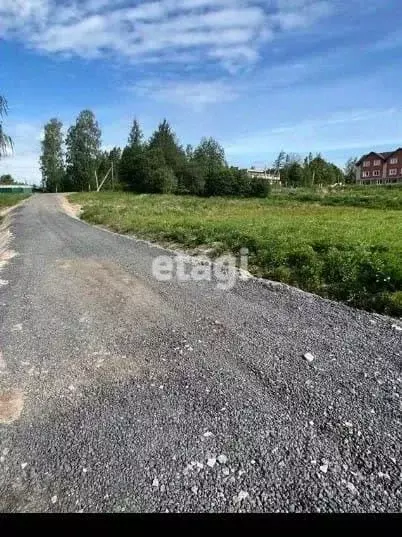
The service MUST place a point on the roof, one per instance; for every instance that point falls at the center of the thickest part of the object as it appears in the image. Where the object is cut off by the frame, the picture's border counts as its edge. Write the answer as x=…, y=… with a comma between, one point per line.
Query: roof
x=383, y=156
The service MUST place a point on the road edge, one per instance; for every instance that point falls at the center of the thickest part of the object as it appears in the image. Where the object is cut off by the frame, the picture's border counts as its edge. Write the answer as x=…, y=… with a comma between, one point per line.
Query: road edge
x=277, y=287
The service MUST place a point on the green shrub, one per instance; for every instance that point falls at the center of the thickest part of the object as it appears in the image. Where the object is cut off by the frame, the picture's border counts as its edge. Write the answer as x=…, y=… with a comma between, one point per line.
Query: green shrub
x=220, y=182
x=306, y=267
x=259, y=188
x=393, y=305
x=162, y=181
x=282, y=274
x=191, y=180
x=235, y=182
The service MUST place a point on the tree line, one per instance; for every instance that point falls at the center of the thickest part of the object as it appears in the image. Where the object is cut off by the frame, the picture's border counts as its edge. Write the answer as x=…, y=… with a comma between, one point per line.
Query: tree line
x=8, y=179
x=312, y=171
x=157, y=165
x=161, y=164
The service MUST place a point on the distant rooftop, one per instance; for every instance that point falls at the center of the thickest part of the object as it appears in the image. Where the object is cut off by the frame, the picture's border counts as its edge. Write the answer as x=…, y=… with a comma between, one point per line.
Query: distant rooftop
x=383, y=156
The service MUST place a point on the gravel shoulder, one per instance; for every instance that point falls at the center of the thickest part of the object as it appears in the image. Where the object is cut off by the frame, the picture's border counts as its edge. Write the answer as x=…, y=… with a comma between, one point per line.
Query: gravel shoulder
x=130, y=394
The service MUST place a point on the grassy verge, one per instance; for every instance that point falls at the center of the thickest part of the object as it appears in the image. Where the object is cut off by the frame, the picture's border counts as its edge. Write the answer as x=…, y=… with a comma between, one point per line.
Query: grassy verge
x=339, y=250
x=8, y=200
x=384, y=197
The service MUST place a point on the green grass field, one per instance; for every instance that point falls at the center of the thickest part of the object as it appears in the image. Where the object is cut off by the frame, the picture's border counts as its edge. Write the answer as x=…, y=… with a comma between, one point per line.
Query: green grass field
x=342, y=245
x=385, y=197
x=8, y=200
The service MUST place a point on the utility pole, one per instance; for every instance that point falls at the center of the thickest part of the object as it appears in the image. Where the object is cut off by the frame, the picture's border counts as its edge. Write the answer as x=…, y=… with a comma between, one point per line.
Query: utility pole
x=102, y=183
x=112, y=177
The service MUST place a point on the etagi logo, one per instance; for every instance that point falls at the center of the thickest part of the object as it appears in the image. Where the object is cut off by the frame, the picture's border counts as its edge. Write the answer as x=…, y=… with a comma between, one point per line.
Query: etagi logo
x=225, y=270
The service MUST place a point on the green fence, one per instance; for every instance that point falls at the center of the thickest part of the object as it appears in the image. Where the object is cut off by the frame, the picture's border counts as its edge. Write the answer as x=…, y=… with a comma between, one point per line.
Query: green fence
x=15, y=190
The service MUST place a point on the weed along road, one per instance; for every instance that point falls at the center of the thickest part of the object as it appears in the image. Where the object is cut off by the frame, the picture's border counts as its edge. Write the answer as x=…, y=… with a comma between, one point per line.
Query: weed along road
x=123, y=391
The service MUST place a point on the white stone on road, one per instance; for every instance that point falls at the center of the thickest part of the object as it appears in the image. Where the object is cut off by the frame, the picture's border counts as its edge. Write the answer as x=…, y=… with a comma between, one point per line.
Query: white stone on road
x=309, y=357
x=243, y=495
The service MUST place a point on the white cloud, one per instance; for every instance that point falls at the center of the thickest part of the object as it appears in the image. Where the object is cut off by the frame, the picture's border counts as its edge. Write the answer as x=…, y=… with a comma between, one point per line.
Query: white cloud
x=193, y=94
x=230, y=32
x=352, y=129
x=294, y=14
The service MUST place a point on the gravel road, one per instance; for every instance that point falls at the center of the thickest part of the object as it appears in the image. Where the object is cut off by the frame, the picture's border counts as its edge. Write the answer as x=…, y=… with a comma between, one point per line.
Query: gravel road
x=119, y=392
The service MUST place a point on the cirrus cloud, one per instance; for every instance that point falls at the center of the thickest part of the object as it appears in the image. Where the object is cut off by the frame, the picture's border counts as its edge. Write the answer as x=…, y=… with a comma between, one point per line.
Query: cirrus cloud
x=227, y=32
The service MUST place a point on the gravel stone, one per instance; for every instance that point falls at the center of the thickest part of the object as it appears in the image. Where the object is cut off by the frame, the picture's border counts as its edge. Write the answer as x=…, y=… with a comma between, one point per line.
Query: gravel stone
x=247, y=382
x=309, y=357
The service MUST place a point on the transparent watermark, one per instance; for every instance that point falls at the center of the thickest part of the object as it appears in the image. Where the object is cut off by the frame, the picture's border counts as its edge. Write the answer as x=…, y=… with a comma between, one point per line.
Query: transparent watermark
x=225, y=270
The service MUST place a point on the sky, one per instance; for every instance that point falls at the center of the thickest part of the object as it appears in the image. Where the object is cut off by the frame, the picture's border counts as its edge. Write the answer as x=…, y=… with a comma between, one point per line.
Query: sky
x=258, y=75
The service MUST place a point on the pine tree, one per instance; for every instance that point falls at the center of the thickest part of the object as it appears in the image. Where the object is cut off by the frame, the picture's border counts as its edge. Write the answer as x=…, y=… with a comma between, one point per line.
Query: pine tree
x=136, y=136
x=165, y=139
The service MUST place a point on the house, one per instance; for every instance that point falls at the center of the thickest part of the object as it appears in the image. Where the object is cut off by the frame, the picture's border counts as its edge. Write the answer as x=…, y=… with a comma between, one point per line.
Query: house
x=269, y=175
x=380, y=168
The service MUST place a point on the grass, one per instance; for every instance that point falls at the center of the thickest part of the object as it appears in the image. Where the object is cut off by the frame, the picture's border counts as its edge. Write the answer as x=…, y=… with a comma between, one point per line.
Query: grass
x=8, y=200
x=342, y=245
x=384, y=197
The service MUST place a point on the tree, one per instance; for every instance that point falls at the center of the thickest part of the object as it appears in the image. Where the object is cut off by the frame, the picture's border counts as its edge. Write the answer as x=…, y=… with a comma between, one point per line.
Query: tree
x=291, y=158
x=136, y=135
x=52, y=158
x=324, y=172
x=220, y=182
x=209, y=155
x=191, y=179
x=109, y=163
x=83, y=149
x=115, y=159
x=166, y=141
x=259, y=187
x=162, y=181
x=189, y=152
x=133, y=163
x=336, y=174
x=293, y=174
x=7, y=180
x=279, y=162
x=133, y=169
x=6, y=143
x=350, y=170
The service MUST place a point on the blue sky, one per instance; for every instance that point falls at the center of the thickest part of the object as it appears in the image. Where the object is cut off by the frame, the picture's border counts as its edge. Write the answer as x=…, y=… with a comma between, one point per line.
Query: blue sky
x=260, y=76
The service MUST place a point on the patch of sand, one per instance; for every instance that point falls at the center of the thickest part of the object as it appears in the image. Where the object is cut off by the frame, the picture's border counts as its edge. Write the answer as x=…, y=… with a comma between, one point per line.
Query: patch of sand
x=72, y=209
